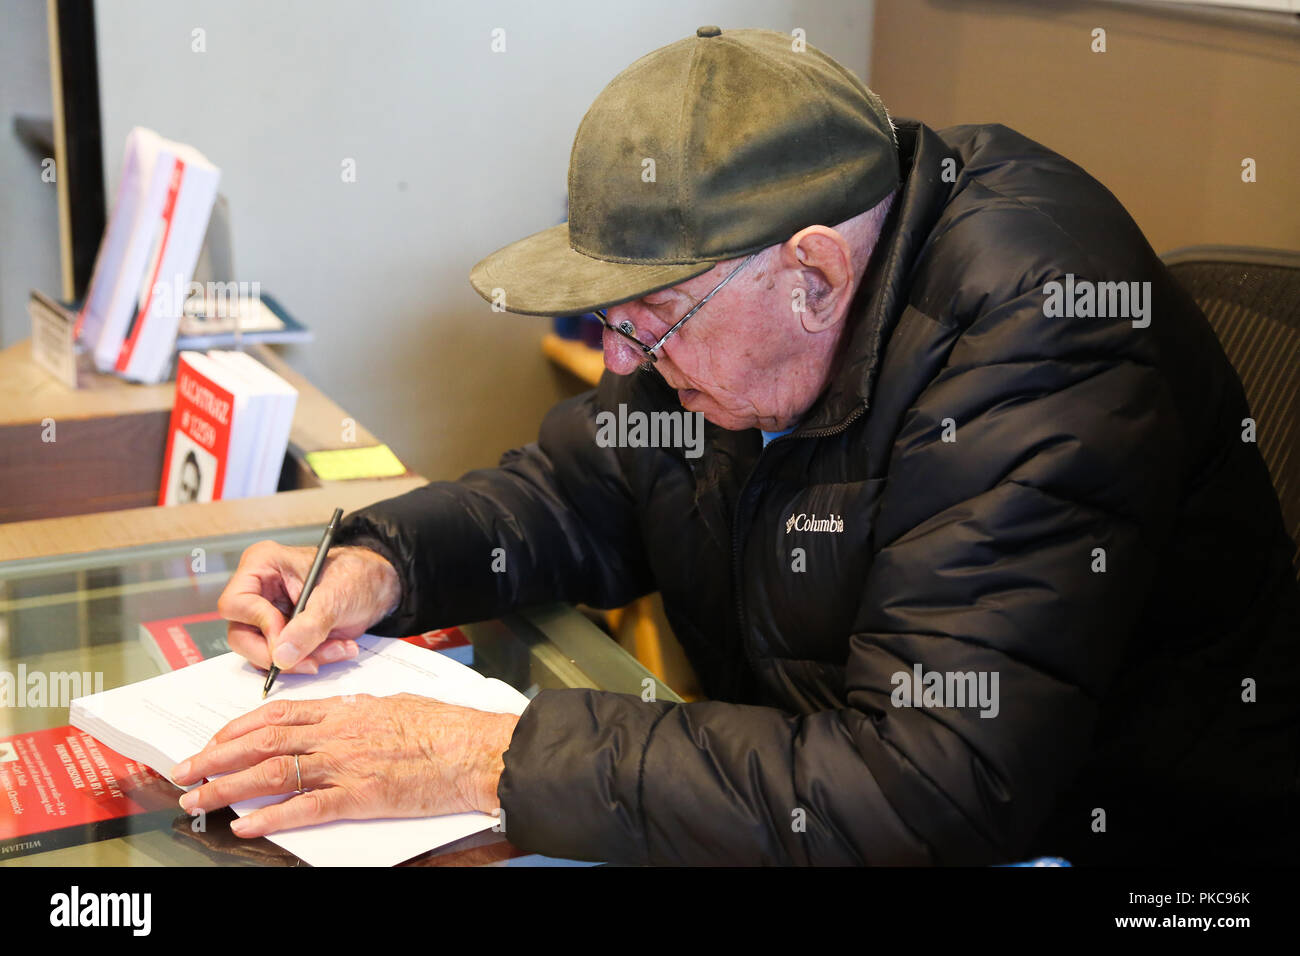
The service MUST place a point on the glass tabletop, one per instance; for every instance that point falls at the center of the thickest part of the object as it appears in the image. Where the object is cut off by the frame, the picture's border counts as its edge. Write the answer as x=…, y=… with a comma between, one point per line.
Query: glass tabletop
x=72, y=625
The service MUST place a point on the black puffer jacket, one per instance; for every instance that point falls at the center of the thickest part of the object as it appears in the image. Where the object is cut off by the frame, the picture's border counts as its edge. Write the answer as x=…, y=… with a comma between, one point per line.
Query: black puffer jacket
x=1076, y=444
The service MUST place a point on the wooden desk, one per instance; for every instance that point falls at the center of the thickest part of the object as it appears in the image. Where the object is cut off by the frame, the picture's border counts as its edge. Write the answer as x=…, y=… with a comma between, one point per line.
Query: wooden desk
x=95, y=486
x=74, y=534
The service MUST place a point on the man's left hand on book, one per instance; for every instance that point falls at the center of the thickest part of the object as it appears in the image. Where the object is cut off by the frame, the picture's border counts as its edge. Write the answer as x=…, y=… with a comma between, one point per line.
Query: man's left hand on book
x=360, y=757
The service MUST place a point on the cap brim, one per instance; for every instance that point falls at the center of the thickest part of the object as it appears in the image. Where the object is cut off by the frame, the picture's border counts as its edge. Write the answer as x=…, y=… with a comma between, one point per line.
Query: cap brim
x=543, y=275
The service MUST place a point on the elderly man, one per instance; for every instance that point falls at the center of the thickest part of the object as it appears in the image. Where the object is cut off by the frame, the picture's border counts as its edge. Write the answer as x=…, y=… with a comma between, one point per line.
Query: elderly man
x=974, y=563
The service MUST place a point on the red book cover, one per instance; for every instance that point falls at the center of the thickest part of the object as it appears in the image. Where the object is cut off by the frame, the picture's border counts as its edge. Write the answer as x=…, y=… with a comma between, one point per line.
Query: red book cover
x=448, y=640
x=177, y=642
x=198, y=439
x=62, y=787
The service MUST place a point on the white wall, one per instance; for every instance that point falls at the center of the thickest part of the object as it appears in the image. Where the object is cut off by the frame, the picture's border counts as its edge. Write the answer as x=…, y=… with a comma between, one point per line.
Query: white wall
x=458, y=152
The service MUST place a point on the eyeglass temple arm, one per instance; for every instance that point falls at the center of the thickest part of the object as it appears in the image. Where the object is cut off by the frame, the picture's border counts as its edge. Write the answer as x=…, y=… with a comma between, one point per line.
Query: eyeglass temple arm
x=698, y=305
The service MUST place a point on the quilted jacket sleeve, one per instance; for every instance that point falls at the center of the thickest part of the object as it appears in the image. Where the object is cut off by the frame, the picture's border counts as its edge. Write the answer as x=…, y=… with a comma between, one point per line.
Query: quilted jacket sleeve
x=989, y=556
x=554, y=522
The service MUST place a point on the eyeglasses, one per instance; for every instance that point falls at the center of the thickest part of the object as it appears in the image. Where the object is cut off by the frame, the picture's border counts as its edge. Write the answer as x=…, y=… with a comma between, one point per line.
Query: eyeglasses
x=628, y=330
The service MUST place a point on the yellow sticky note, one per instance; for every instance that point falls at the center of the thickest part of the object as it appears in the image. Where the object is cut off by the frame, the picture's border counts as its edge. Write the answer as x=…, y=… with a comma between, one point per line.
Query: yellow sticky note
x=344, y=464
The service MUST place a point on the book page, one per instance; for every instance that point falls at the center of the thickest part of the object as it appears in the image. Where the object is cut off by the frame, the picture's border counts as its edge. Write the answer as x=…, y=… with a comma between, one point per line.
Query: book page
x=168, y=718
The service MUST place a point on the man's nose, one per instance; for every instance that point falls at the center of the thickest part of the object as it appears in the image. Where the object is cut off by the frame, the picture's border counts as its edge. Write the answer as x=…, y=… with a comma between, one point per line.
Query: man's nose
x=621, y=356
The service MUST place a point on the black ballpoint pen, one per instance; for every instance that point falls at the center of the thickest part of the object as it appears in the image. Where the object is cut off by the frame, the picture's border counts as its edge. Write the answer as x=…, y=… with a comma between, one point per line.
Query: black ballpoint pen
x=308, y=586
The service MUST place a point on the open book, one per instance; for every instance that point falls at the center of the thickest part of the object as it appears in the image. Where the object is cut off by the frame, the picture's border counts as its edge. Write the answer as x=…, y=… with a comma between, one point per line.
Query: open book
x=163, y=720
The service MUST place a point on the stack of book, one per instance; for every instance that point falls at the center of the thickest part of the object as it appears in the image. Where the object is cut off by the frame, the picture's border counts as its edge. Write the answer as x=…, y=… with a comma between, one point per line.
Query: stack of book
x=147, y=256
x=210, y=322
x=229, y=429
x=205, y=324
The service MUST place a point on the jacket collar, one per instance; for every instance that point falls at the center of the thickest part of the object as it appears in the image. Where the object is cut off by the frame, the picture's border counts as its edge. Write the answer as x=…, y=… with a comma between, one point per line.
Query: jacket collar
x=884, y=291
x=729, y=456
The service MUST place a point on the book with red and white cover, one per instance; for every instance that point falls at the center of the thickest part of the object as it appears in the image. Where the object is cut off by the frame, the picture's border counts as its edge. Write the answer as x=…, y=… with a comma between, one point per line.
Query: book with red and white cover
x=62, y=787
x=229, y=429
x=147, y=256
x=279, y=399
x=446, y=640
x=199, y=453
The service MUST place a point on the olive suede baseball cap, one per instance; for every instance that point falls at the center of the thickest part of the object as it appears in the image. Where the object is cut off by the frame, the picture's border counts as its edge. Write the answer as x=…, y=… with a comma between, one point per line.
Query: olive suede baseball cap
x=705, y=150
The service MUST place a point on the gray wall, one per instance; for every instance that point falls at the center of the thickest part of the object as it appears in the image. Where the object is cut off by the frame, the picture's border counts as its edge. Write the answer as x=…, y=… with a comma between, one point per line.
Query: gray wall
x=29, y=208
x=458, y=151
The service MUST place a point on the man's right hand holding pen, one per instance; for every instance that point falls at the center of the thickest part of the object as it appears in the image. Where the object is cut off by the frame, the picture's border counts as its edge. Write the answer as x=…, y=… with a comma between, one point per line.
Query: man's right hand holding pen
x=356, y=589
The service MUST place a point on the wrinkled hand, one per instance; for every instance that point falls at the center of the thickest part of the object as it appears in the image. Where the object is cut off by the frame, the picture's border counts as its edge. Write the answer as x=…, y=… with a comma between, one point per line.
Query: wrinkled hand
x=361, y=757
x=356, y=588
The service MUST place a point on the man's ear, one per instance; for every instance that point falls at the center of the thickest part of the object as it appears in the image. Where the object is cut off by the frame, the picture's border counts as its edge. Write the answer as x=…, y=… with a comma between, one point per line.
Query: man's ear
x=822, y=258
